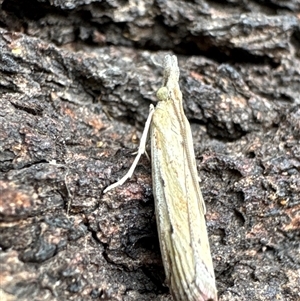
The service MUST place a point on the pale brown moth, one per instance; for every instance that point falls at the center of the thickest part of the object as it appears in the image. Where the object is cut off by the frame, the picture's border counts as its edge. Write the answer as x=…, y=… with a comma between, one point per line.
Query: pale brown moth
x=179, y=205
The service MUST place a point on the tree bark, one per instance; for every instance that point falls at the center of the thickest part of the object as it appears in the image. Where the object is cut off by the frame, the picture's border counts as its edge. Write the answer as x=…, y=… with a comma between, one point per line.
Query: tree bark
x=76, y=81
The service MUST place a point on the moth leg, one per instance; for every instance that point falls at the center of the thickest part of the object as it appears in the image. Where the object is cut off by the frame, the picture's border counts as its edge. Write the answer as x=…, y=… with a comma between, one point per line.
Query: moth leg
x=147, y=155
x=141, y=151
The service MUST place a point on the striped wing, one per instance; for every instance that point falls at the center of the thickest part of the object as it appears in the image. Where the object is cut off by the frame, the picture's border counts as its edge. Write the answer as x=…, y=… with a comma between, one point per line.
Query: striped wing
x=180, y=209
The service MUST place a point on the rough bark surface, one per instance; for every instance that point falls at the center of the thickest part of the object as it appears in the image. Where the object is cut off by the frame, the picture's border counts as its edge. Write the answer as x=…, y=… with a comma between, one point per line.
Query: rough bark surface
x=76, y=81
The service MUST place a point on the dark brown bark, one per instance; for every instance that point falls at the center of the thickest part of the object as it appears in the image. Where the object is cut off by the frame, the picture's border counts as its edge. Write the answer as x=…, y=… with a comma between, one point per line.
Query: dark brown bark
x=76, y=81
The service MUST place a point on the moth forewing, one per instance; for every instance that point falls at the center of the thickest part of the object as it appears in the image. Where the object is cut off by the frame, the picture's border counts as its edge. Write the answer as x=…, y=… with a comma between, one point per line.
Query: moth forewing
x=179, y=204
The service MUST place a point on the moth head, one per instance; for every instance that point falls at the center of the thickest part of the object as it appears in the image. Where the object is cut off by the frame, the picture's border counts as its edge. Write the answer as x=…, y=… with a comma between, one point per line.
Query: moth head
x=162, y=94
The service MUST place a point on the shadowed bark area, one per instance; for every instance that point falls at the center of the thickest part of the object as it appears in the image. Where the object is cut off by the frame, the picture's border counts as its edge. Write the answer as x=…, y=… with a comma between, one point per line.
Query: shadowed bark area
x=76, y=81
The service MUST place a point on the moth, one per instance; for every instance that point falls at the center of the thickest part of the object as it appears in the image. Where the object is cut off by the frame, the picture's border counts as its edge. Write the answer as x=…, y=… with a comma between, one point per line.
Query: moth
x=179, y=205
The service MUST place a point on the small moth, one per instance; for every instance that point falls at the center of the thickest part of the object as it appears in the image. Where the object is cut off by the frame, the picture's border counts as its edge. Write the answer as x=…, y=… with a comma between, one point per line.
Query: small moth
x=179, y=204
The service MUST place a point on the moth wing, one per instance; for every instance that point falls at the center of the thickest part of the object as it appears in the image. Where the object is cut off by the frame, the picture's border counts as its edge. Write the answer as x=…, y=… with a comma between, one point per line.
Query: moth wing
x=180, y=210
